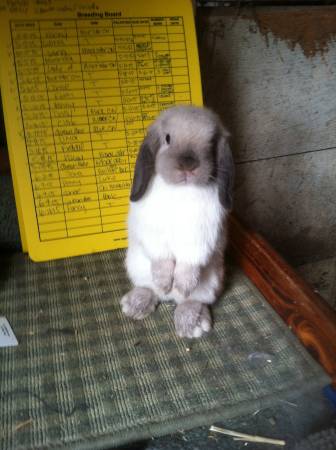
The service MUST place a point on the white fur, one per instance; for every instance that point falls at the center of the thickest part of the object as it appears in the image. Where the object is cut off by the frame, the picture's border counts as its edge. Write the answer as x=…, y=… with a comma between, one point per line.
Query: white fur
x=181, y=222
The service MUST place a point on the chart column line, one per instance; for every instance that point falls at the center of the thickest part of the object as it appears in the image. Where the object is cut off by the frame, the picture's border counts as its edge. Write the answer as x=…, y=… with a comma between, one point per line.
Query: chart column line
x=93, y=157
x=52, y=130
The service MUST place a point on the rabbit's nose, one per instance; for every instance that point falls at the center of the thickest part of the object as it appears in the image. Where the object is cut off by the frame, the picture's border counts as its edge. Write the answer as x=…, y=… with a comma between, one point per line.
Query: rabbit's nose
x=188, y=161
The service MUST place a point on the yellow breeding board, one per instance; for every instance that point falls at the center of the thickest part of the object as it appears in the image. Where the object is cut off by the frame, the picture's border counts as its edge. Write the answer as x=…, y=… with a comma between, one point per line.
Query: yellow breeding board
x=80, y=83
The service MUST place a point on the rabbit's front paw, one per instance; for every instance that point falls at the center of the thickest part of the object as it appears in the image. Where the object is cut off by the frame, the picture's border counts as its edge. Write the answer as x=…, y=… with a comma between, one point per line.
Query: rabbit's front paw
x=138, y=303
x=186, y=278
x=163, y=273
x=192, y=319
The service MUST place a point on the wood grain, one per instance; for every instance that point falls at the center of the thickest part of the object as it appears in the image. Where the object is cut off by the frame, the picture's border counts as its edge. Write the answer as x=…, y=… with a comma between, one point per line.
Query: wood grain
x=305, y=312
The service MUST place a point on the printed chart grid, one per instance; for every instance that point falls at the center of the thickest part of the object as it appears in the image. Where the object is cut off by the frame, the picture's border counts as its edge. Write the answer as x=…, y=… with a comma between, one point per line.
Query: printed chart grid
x=88, y=90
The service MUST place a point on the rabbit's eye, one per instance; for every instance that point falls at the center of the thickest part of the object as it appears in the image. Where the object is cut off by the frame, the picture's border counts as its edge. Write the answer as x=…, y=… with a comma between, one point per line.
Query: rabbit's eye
x=168, y=138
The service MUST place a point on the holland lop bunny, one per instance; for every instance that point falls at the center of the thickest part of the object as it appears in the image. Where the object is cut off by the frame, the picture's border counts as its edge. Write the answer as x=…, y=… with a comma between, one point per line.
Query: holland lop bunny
x=181, y=193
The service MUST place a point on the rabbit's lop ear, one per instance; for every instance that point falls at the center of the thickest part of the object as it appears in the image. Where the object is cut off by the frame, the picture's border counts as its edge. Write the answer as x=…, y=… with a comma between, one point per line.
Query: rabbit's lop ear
x=225, y=172
x=144, y=166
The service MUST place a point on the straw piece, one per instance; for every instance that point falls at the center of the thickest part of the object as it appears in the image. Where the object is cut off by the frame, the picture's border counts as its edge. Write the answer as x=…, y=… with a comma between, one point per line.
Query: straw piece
x=23, y=424
x=247, y=437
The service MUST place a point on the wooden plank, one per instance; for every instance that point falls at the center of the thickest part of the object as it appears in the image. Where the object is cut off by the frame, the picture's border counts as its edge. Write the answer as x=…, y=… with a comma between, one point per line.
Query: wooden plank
x=305, y=312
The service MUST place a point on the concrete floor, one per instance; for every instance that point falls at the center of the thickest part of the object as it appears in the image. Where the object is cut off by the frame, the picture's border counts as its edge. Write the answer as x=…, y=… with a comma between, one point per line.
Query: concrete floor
x=322, y=276
x=290, y=421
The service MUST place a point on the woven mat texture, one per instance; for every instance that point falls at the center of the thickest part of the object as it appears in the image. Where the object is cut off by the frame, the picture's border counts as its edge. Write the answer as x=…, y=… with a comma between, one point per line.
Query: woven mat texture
x=86, y=377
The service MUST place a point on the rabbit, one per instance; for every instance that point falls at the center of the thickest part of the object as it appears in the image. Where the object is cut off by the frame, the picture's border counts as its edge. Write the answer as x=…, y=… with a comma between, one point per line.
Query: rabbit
x=181, y=194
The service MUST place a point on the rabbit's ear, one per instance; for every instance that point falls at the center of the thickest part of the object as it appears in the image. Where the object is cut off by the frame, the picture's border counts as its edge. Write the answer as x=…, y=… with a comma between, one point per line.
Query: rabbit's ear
x=145, y=165
x=225, y=172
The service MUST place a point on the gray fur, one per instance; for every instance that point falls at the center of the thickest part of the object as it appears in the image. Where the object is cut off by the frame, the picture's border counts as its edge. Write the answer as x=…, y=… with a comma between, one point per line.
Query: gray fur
x=144, y=166
x=139, y=303
x=186, y=278
x=192, y=319
x=225, y=173
x=197, y=153
x=163, y=274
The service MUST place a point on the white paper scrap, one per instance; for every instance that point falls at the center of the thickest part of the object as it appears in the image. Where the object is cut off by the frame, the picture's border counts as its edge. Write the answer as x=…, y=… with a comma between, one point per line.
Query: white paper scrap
x=7, y=337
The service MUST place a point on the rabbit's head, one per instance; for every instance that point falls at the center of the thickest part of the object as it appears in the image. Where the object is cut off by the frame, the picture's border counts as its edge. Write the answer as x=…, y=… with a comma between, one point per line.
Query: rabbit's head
x=186, y=145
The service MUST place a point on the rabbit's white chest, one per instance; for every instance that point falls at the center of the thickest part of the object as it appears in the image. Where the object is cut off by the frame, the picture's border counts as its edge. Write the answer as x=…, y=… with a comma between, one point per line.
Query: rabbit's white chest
x=182, y=222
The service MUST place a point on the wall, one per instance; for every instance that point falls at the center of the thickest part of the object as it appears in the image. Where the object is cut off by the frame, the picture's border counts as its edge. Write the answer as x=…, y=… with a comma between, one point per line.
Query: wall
x=270, y=74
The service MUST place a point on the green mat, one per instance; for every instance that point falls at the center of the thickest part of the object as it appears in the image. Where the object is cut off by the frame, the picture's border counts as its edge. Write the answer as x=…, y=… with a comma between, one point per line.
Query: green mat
x=84, y=376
